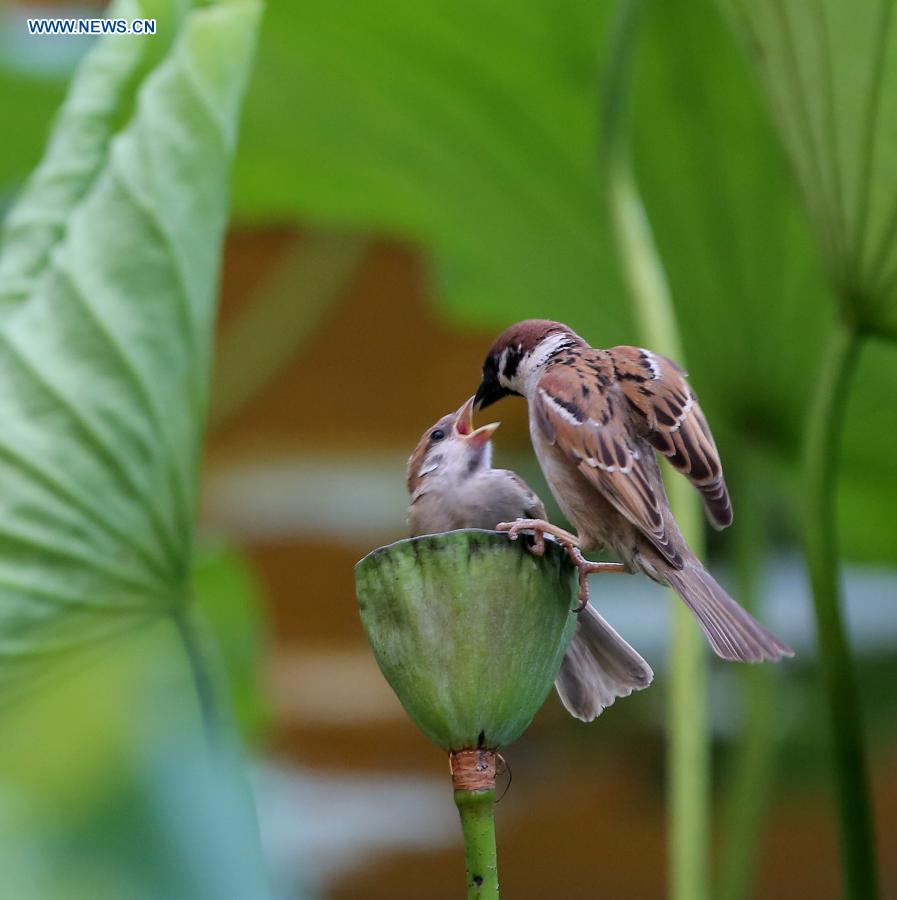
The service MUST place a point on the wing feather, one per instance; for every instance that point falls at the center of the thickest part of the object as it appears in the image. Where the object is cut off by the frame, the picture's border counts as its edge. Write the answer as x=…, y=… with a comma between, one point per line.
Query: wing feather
x=673, y=423
x=577, y=409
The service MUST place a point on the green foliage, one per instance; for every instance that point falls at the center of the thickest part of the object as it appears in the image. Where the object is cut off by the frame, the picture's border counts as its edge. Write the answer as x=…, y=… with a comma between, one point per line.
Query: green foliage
x=823, y=65
x=474, y=132
x=719, y=198
x=30, y=99
x=468, y=128
x=469, y=630
x=826, y=69
x=229, y=598
x=108, y=278
x=751, y=295
x=109, y=790
x=30, y=103
x=656, y=326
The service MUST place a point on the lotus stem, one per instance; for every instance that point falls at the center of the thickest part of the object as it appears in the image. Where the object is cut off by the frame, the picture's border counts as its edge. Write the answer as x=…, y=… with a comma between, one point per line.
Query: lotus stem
x=688, y=759
x=188, y=630
x=821, y=451
x=473, y=777
x=752, y=771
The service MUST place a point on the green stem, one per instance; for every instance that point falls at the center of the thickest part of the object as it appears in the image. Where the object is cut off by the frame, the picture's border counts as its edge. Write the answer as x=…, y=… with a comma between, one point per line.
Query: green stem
x=821, y=453
x=199, y=669
x=478, y=824
x=753, y=767
x=688, y=759
x=688, y=751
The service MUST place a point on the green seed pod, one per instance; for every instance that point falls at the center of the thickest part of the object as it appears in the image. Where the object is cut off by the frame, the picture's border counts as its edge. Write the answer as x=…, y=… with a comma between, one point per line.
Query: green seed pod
x=469, y=629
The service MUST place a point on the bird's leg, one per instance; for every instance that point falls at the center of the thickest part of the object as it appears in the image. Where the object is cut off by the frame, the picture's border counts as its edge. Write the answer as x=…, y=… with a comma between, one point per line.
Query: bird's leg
x=569, y=542
x=586, y=567
x=540, y=528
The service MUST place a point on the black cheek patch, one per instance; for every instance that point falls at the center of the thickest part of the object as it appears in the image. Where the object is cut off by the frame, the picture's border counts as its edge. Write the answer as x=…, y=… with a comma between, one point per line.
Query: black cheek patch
x=512, y=363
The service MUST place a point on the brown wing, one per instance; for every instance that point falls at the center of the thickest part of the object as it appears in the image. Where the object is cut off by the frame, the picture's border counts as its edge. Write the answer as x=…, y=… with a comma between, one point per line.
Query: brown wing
x=577, y=408
x=674, y=423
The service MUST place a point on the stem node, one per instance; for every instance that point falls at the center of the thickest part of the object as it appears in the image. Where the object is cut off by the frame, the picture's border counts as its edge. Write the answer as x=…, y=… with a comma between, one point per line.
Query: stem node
x=473, y=778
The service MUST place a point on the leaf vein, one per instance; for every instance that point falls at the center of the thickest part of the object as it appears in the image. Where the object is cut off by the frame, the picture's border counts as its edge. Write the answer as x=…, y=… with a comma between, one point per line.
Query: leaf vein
x=30, y=467
x=115, y=465
x=133, y=373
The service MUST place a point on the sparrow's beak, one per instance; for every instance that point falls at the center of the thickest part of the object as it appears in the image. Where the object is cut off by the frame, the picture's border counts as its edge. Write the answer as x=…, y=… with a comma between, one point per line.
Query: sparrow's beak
x=487, y=393
x=464, y=425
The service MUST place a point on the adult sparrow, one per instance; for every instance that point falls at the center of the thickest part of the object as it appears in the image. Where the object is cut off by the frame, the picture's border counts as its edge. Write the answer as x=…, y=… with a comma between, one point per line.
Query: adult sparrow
x=596, y=418
x=453, y=485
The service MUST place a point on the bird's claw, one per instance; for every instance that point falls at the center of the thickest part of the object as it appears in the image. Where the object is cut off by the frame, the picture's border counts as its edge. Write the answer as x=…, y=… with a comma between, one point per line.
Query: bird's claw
x=586, y=567
x=539, y=528
x=513, y=529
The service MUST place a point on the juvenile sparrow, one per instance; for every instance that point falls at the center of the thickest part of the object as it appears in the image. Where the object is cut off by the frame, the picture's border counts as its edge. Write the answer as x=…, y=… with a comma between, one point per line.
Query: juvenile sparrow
x=596, y=418
x=453, y=485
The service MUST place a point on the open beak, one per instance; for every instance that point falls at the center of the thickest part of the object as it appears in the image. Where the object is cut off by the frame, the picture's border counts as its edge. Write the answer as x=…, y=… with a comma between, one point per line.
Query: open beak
x=464, y=425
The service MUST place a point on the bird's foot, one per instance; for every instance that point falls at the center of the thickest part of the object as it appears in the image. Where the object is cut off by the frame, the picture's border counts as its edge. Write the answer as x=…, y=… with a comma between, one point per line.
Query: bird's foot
x=539, y=528
x=586, y=567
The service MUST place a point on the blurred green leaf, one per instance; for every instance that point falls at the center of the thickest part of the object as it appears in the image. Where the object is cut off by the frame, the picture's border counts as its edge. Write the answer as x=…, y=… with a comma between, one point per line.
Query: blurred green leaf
x=827, y=67
x=751, y=296
x=109, y=269
x=229, y=597
x=30, y=104
x=731, y=234
x=472, y=130
x=109, y=790
x=867, y=481
x=33, y=84
x=469, y=128
x=688, y=752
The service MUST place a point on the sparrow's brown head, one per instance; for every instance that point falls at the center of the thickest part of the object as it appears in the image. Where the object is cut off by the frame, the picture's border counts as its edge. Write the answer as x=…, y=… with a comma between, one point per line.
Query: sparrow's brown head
x=517, y=353
x=453, y=447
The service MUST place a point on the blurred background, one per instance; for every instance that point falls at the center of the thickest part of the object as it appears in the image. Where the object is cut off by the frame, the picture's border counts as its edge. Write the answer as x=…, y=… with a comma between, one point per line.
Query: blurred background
x=410, y=179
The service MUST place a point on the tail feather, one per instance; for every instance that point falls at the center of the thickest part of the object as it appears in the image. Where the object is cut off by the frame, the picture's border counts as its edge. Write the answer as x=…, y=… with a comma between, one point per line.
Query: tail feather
x=732, y=631
x=599, y=667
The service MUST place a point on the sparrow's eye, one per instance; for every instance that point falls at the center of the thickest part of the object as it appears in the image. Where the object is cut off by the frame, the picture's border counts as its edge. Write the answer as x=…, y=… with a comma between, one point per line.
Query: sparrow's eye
x=437, y=435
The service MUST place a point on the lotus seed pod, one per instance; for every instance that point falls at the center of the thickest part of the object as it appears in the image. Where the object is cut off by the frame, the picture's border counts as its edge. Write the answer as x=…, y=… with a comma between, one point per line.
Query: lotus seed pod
x=469, y=629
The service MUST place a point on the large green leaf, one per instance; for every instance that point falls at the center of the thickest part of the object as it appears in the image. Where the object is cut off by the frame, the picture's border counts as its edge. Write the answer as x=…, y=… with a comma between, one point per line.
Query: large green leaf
x=828, y=69
x=752, y=298
x=731, y=233
x=30, y=93
x=469, y=128
x=109, y=269
x=418, y=131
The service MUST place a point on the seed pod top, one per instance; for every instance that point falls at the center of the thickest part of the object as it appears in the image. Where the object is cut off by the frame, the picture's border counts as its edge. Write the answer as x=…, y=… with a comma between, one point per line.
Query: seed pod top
x=469, y=629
